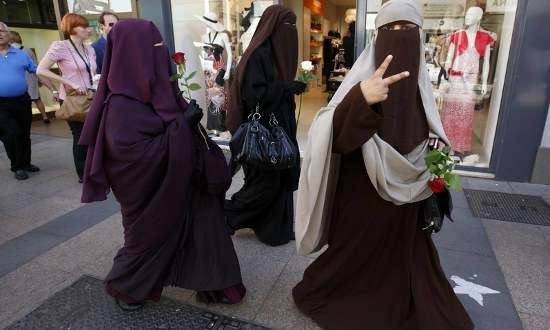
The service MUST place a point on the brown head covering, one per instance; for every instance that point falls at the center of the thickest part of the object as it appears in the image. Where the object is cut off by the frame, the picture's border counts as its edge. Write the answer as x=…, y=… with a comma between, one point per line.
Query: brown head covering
x=404, y=125
x=277, y=24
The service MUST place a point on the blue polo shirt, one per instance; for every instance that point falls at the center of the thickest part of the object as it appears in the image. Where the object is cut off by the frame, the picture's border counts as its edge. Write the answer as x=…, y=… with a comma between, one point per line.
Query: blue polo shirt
x=13, y=66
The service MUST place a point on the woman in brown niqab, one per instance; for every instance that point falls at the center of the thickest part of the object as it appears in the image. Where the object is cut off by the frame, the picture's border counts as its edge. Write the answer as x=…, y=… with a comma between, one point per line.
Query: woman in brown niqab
x=265, y=77
x=381, y=270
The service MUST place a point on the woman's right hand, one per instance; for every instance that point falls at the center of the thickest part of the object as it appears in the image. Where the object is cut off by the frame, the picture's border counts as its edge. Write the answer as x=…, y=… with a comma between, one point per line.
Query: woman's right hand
x=376, y=89
x=79, y=89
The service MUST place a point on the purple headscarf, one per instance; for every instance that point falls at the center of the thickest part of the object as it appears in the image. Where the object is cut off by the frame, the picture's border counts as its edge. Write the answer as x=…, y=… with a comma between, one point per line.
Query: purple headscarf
x=143, y=76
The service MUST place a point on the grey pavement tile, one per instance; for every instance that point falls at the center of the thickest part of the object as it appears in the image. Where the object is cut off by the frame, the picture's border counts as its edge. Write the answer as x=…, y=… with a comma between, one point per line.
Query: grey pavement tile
x=16, y=252
x=86, y=248
x=259, y=275
x=74, y=222
x=99, y=267
x=459, y=199
x=178, y=293
x=527, y=272
x=27, y=287
x=278, y=311
x=498, y=311
x=485, y=184
x=466, y=234
x=298, y=264
x=26, y=247
x=247, y=244
x=38, y=213
x=57, y=185
x=42, y=178
x=530, y=188
x=534, y=322
x=516, y=233
x=16, y=200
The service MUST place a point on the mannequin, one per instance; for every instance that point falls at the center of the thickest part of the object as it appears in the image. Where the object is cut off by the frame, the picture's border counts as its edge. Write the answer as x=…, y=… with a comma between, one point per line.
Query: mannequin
x=466, y=48
x=256, y=11
x=217, y=69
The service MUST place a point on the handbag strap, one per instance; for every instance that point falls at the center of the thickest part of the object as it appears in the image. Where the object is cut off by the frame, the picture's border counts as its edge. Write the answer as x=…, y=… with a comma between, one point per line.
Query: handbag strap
x=76, y=64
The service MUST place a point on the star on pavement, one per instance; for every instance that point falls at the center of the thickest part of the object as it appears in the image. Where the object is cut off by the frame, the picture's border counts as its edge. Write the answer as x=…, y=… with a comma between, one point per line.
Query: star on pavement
x=474, y=291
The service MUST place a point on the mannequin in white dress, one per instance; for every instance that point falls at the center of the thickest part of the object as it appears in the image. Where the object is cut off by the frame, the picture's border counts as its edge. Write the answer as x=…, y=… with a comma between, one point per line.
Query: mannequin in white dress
x=467, y=48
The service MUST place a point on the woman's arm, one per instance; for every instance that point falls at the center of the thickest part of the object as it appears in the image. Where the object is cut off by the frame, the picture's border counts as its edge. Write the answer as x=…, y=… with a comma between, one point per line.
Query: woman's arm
x=44, y=71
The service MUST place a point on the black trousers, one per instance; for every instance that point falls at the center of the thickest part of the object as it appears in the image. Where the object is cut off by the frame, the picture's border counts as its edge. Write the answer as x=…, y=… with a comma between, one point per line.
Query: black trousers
x=15, y=129
x=79, y=152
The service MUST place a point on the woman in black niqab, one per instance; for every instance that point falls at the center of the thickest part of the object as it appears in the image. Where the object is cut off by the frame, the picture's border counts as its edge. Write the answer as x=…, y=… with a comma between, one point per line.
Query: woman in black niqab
x=265, y=77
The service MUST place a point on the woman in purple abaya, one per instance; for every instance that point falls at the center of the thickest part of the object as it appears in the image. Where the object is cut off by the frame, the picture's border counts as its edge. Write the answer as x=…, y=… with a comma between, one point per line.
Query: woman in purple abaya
x=169, y=180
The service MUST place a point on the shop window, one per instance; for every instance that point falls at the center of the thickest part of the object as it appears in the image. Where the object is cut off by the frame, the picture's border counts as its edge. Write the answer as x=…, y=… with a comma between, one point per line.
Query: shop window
x=28, y=13
x=467, y=44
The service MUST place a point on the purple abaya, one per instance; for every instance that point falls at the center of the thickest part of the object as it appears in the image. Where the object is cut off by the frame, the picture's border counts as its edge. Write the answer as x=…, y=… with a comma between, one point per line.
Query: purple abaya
x=141, y=147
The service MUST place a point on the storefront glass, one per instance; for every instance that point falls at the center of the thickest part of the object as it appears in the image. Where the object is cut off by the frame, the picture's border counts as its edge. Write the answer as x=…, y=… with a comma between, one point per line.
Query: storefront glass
x=467, y=43
x=91, y=9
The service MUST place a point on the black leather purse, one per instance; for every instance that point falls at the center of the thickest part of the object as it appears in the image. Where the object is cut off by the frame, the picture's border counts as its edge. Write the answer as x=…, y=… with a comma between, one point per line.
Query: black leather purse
x=434, y=210
x=283, y=152
x=255, y=145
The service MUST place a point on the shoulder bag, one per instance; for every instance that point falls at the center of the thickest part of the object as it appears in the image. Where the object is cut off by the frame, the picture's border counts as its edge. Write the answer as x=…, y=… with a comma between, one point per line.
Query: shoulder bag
x=75, y=107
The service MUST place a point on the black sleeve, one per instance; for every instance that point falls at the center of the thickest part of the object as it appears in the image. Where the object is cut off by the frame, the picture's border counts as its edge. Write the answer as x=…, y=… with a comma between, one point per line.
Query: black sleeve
x=355, y=122
x=259, y=85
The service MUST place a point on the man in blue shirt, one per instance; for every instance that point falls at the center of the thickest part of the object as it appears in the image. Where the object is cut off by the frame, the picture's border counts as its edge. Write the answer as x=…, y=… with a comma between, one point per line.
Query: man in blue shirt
x=15, y=106
x=106, y=22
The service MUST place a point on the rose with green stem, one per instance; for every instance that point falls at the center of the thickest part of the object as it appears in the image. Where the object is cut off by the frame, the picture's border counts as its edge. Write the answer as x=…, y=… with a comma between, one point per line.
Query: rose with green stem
x=441, y=166
x=182, y=76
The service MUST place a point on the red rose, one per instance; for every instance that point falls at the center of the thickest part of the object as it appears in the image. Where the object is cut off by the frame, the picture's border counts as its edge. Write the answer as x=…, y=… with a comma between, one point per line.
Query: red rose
x=179, y=58
x=437, y=185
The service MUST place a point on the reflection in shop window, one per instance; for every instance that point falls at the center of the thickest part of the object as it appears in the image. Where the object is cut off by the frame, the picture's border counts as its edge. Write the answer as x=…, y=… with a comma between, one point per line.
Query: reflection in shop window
x=466, y=50
x=88, y=7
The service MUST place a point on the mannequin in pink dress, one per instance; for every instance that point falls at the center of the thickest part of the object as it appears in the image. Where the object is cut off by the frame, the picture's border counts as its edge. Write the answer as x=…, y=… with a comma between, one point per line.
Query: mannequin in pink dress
x=466, y=48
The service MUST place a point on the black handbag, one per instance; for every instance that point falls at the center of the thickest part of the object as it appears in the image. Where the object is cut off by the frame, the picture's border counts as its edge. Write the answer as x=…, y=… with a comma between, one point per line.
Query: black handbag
x=284, y=152
x=255, y=145
x=434, y=210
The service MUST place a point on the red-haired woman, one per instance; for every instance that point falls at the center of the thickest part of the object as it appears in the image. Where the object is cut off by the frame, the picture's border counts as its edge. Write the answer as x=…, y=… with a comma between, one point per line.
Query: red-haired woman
x=76, y=61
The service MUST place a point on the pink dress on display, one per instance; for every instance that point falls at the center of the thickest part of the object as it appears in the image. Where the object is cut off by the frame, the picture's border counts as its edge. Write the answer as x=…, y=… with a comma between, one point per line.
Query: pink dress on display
x=459, y=102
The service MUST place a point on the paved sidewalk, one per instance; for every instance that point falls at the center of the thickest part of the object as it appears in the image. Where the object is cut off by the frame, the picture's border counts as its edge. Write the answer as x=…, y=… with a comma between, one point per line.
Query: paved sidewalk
x=48, y=240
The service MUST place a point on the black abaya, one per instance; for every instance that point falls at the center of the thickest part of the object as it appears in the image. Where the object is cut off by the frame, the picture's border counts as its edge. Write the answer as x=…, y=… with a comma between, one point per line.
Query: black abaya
x=265, y=202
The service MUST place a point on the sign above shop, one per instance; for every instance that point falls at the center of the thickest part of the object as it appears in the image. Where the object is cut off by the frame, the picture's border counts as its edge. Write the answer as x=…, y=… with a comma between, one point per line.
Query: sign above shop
x=444, y=8
x=316, y=6
x=501, y=6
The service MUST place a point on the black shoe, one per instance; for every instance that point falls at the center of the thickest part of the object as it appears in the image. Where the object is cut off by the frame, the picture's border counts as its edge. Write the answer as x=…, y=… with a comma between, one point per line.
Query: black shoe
x=46, y=120
x=31, y=168
x=21, y=175
x=80, y=180
x=129, y=307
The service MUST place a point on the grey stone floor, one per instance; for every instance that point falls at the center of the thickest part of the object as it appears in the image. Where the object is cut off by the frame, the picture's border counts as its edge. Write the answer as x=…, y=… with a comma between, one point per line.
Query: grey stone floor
x=52, y=251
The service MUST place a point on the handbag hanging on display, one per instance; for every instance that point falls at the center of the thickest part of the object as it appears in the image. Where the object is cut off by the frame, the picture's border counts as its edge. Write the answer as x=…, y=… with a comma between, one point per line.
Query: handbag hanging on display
x=75, y=107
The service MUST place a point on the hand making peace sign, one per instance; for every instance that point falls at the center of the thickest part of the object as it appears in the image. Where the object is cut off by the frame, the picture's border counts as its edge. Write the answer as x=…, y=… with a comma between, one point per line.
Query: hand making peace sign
x=375, y=89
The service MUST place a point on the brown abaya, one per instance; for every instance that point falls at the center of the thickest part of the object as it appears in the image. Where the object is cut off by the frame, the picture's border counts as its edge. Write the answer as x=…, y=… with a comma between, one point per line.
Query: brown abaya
x=380, y=271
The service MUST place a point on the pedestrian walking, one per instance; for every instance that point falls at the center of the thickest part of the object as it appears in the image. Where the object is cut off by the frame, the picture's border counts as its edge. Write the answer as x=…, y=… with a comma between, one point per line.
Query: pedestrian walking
x=106, y=22
x=169, y=180
x=381, y=270
x=32, y=78
x=15, y=106
x=76, y=61
x=265, y=81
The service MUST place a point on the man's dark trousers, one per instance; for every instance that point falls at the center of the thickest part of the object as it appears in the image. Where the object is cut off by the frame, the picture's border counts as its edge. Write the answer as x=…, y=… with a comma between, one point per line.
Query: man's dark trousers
x=15, y=129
